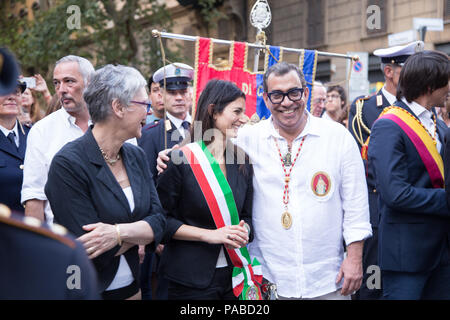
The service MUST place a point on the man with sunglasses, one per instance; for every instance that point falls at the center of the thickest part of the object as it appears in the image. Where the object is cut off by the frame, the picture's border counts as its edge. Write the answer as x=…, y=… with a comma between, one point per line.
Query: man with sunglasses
x=310, y=195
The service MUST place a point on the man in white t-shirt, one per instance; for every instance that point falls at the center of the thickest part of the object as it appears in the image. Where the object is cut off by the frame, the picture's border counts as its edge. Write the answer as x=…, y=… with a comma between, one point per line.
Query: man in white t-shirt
x=49, y=135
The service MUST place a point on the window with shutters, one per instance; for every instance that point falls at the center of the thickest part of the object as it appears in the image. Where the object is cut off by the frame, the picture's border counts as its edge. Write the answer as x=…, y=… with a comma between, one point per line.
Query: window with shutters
x=316, y=23
x=376, y=17
x=446, y=10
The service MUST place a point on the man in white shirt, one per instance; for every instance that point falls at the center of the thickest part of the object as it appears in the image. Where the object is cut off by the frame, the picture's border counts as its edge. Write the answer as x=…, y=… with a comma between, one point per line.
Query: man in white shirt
x=319, y=99
x=49, y=135
x=309, y=195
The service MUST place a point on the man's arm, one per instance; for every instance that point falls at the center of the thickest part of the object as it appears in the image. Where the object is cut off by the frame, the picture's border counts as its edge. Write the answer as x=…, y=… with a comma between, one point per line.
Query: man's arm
x=34, y=176
x=351, y=269
x=35, y=208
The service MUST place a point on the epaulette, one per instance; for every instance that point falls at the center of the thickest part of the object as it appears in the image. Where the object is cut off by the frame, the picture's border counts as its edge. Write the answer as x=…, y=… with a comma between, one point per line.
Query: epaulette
x=34, y=225
x=149, y=126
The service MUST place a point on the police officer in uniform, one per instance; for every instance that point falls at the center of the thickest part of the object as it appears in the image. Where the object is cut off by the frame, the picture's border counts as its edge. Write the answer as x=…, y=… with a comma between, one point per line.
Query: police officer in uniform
x=42, y=262
x=363, y=113
x=166, y=133
x=13, y=141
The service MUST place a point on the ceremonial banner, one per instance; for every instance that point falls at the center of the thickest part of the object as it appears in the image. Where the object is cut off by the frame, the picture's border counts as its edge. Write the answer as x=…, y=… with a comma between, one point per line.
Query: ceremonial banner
x=308, y=64
x=236, y=71
x=275, y=55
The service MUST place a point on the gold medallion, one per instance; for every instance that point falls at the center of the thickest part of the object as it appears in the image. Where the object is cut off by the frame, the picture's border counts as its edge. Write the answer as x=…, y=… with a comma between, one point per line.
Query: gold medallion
x=286, y=220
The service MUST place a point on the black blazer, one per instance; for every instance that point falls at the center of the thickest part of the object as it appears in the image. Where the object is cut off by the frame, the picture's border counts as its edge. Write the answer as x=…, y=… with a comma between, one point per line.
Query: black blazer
x=82, y=190
x=193, y=263
x=11, y=170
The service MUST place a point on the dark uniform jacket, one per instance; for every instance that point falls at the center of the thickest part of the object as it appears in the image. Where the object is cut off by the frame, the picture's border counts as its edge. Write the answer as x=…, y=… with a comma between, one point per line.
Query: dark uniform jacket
x=154, y=139
x=11, y=169
x=193, y=263
x=82, y=190
x=371, y=110
x=37, y=263
x=415, y=220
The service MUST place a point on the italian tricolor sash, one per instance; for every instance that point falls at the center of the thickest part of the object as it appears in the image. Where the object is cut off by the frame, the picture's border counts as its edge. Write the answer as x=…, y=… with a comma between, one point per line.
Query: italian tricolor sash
x=247, y=275
x=421, y=139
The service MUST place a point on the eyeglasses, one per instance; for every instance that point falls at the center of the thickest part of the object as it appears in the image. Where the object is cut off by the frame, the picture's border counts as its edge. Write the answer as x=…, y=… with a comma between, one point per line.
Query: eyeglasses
x=333, y=96
x=277, y=97
x=148, y=105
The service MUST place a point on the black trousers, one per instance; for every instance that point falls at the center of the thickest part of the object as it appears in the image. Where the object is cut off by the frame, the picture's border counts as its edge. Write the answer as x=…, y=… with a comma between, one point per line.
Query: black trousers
x=220, y=288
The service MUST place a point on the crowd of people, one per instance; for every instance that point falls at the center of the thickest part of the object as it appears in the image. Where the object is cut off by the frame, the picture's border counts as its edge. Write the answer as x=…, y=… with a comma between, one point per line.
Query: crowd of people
x=160, y=202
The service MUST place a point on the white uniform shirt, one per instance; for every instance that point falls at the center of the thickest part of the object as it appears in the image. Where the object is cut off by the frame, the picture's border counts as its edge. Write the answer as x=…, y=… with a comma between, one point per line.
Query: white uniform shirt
x=425, y=117
x=16, y=133
x=178, y=123
x=304, y=260
x=44, y=140
x=389, y=97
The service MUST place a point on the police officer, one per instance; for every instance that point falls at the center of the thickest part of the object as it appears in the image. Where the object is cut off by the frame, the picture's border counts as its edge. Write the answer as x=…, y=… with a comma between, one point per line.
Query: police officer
x=13, y=141
x=157, y=104
x=166, y=133
x=42, y=262
x=363, y=113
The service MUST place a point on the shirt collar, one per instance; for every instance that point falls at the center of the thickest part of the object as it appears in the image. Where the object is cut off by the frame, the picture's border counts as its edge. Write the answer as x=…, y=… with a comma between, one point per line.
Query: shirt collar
x=71, y=119
x=7, y=131
x=177, y=122
x=312, y=127
x=389, y=97
x=417, y=108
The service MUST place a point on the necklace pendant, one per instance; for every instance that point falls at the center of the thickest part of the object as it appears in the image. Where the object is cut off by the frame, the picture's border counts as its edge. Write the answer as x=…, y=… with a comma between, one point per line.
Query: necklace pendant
x=286, y=220
x=287, y=160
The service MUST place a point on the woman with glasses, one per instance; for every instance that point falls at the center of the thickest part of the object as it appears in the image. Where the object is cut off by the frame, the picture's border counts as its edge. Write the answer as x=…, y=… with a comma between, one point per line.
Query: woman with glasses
x=100, y=188
x=336, y=105
x=13, y=142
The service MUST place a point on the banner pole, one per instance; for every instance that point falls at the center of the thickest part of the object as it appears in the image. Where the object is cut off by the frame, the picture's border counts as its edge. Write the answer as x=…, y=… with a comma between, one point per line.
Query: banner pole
x=168, y=35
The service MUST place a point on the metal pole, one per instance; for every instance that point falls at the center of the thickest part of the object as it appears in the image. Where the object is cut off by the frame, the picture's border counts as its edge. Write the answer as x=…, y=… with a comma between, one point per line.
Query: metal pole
x=156, y=33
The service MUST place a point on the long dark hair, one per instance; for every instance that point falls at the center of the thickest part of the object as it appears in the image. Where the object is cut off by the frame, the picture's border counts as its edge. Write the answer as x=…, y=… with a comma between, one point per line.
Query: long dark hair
x=213, y=100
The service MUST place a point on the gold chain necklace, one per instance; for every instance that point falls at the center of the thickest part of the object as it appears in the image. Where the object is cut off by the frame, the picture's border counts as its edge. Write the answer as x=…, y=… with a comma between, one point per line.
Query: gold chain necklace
x=107, y=159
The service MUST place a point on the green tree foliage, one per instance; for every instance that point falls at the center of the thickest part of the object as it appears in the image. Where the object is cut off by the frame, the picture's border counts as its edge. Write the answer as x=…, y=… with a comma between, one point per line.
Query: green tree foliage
x=108, y=33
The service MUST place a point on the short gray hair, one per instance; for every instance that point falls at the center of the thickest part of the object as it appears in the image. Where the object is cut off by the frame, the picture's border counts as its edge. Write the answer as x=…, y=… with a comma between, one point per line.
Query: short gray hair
x=280, y=69
x=110, y=83
x=85, y=66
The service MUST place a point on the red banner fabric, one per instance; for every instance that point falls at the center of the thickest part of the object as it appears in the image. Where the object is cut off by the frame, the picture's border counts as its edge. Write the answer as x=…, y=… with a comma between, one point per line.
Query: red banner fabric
x=236, y=71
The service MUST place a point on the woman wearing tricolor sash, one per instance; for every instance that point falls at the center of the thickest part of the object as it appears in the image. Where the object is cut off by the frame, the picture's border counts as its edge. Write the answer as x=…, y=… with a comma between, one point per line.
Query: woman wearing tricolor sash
x=207, y=194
